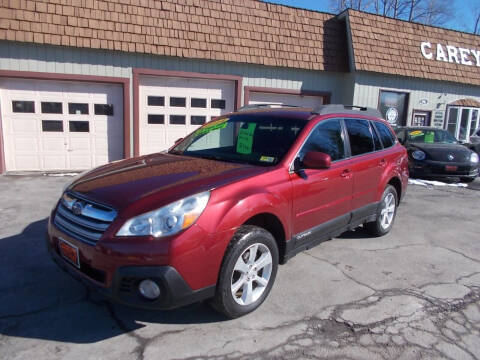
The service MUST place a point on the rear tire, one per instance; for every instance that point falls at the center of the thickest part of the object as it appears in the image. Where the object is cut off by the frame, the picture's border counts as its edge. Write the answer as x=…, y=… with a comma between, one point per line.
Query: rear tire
x=247, y=273
x=467, y=179
x=386, y=211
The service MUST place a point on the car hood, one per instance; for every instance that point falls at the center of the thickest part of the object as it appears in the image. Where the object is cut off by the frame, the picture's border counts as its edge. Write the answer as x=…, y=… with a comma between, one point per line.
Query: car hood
x=167, y=177
x=440, y=152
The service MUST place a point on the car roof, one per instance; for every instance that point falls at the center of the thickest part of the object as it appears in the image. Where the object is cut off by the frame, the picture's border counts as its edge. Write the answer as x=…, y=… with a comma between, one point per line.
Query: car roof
x=307, y=113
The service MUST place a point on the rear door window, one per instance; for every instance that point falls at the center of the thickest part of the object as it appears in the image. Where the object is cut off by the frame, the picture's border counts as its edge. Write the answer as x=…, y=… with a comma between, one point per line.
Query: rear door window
x=360, y=135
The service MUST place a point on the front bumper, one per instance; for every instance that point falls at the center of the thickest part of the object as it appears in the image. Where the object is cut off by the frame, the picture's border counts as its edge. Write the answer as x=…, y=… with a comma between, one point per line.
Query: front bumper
x=438, y=169
x=123, y=284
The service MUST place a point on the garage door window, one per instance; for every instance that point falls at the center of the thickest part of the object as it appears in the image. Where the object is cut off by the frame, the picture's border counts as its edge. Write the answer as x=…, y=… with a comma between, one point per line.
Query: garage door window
x=156, y=101
x=23, y=106
x=52, y=107
x=52, y=125
x=78, y=108
x=177, y=119
x=198, y=103
x=104, y=109
x=197, y=120
x=156, y=119
x=178, y=101
x=79, y=126
x=217, y=104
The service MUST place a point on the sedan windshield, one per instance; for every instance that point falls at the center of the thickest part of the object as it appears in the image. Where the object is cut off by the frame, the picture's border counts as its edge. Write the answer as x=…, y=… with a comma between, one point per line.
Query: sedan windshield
x=258, y=140
x=429, y=136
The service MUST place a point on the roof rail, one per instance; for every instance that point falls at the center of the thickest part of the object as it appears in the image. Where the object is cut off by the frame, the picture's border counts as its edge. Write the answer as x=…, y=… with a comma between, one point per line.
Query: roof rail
x=349, y=109
x=265, y=106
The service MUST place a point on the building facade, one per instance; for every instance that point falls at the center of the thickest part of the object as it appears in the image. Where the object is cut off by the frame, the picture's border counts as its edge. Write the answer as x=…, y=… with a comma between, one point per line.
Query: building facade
x=85, y=82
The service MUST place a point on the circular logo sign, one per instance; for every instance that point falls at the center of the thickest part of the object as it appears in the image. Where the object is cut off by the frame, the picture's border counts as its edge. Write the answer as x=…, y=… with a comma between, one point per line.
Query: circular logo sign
x=392, y=115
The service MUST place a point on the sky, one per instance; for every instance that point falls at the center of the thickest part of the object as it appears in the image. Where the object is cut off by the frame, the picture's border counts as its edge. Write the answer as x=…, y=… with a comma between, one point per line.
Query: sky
x=464, y=19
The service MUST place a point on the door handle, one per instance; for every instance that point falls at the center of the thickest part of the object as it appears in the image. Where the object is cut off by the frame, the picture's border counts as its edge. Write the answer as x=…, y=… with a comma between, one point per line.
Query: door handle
x=346, y=173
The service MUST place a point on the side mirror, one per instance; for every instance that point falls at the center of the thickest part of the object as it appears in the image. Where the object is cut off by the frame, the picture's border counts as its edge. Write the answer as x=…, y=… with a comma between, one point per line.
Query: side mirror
x=317, y=160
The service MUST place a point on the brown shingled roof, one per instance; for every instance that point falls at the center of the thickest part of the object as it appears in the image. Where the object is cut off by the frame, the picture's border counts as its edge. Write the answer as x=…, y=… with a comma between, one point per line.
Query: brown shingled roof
x=248, y=31
x=390, y=46
x=466, y=102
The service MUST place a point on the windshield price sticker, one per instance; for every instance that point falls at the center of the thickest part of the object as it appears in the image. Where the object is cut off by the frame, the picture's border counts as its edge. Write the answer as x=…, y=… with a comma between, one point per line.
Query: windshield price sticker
x=214, y=125
x=245, y=139
x=416, y=133
x=269, y=159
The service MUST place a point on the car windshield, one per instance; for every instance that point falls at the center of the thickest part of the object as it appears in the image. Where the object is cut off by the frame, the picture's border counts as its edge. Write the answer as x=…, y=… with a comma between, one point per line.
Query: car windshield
x=253, y=139
x=429, y=136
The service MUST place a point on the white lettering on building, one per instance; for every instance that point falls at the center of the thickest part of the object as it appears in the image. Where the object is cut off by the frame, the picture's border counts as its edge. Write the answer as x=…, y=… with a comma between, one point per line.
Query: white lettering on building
x=425, y=53
x=451, y=54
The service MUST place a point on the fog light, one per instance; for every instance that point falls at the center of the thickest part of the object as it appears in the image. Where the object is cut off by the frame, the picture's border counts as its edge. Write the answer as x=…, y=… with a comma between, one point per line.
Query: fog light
x=149, y=289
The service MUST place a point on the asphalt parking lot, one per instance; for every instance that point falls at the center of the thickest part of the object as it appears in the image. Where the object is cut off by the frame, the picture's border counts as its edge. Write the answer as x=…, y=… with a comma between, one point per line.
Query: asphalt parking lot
x=412, y=294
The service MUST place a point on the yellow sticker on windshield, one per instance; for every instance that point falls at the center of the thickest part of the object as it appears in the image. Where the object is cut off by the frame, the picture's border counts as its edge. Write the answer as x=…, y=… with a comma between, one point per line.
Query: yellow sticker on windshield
x=416, y=133
x=267, y=159
x=212, y=125
x=245, y=139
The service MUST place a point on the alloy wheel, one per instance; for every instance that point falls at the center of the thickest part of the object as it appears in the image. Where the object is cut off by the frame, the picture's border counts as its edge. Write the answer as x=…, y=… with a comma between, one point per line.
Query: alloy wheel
x=251, y=274
x=388, y=211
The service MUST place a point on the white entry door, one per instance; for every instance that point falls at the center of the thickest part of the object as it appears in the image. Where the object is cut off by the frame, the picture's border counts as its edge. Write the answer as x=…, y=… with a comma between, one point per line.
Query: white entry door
x=60, y=125
x=171, y=108
x=257, y=97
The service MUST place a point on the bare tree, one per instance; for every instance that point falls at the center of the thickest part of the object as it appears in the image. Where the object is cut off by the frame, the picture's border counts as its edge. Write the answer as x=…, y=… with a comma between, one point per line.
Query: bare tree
x=430, y=12
x=476, y=29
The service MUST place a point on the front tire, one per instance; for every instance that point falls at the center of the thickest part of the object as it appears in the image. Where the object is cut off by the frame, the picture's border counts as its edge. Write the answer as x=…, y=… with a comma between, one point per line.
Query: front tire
x=386, y=211
x=248, y=272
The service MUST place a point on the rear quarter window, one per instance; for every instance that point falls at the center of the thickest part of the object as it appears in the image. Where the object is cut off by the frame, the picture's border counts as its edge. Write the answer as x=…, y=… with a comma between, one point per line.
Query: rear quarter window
x=388, y=139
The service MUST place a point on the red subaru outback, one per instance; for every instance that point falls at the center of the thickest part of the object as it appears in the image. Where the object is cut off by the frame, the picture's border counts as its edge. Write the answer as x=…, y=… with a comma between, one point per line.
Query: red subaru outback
x=215, y=215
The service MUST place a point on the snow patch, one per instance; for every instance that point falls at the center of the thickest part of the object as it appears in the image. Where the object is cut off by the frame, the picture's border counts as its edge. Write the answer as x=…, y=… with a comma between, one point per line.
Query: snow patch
x=431, y=183
x=60, y=174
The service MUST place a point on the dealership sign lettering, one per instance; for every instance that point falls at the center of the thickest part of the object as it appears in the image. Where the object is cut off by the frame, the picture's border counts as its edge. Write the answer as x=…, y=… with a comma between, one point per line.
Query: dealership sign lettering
x=451, y=54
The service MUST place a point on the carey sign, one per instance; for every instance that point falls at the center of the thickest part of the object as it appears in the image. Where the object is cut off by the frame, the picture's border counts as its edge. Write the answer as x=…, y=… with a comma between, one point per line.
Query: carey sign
x=451, y=54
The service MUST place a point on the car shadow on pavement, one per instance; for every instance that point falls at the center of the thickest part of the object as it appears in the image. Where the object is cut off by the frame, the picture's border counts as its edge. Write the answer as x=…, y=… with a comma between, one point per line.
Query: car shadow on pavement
x=39, y=300
x=358, y=233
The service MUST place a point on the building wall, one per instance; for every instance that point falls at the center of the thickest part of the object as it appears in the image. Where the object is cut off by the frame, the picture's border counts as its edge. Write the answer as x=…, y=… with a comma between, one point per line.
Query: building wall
x=69, y=60
x=437, y=93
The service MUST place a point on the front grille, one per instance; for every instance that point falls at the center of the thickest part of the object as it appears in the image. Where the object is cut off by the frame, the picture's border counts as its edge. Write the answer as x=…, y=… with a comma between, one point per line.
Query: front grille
x=83, y=219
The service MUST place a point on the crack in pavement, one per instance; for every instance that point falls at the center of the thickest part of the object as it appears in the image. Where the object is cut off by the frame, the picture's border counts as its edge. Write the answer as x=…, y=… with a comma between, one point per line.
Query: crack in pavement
x=389, y=338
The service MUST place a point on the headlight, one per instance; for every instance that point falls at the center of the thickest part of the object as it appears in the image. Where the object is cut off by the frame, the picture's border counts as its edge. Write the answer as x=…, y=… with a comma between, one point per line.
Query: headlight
x=418, y=155
x=167, y=220
x=474, y=158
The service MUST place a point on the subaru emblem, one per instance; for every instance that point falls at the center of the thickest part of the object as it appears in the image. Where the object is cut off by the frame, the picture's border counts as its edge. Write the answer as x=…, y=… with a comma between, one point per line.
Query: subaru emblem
x=77, y=208
x=450, y=157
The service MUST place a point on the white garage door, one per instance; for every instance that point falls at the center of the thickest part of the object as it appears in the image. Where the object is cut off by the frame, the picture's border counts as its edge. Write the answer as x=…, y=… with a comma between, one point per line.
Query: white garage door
x=171, y=108
x=60, y=125
x=285, y=99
